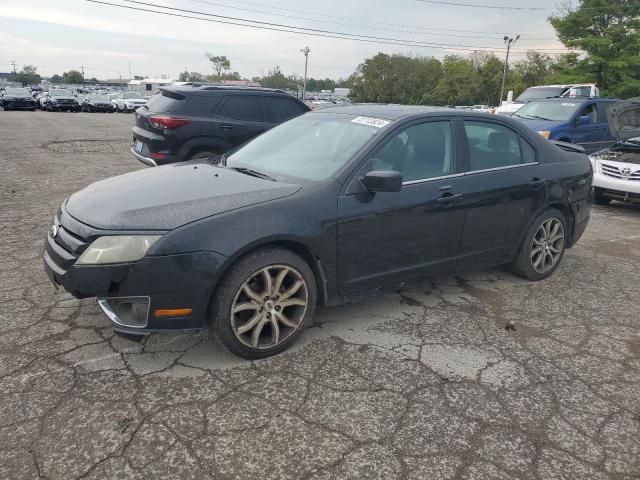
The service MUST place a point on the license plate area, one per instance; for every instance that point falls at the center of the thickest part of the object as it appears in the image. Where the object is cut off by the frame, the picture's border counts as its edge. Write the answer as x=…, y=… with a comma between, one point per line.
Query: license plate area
x=138, y=146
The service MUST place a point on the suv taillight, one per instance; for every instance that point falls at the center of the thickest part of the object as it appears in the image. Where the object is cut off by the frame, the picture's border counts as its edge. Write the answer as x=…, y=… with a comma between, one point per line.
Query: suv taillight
x=168, y=123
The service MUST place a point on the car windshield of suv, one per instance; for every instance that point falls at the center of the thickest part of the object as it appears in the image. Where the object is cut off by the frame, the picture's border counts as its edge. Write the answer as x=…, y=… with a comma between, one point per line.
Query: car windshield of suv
x=16, y=92
x=98, y=98
x=61, y=93
x=311, y=147
x=536, y=93
x=133, y=95
x=556, y=111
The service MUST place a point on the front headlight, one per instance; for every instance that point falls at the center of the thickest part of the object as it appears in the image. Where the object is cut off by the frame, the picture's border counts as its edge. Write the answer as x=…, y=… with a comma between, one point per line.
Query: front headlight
x=544, y=133
x=117, y=249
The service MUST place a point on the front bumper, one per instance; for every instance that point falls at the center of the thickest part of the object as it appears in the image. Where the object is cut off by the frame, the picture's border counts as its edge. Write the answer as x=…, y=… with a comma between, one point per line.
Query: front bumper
x=59, y=107
x=170, y=282
x=20, y=104
x=621, y=185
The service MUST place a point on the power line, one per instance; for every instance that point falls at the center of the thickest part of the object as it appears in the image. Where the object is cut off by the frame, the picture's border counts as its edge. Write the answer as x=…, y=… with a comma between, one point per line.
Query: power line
x=340, y=23
x=509, y=7
x=289, y=28
x=264, y=5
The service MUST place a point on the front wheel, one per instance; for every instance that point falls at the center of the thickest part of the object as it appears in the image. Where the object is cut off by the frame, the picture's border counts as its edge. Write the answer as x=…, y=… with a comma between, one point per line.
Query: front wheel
x=543, y=246
x=264, y=303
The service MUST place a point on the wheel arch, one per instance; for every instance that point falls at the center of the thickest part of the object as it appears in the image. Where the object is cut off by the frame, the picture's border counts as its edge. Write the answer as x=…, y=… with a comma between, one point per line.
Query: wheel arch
x=296, y=246
x=200, y=144
x=562, y=208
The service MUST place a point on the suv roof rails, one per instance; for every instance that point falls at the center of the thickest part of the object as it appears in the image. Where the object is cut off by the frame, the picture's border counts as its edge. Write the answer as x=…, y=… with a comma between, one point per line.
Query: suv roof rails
x=239, y=87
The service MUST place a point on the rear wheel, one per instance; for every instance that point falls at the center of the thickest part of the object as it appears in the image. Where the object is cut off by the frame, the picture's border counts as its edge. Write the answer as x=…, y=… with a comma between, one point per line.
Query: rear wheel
x=264, y=303
x=543, y=247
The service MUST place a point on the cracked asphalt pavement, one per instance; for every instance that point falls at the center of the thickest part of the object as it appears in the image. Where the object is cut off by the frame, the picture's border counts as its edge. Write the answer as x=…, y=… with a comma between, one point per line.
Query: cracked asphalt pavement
x=478, y=375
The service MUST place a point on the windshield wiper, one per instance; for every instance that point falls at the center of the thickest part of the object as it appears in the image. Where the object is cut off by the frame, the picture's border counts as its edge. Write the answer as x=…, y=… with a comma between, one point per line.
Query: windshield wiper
x=253, y=173
x=537, y=117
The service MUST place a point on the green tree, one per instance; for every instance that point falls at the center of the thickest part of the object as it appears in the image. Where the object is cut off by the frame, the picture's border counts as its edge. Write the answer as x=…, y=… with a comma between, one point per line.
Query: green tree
x=460, y=83
x=56, y=78
x=27, y=76
x=608, y=31
x=187, y=76
x=72, y=77
x=490, y=70
x=220, y=64
x=276, y=79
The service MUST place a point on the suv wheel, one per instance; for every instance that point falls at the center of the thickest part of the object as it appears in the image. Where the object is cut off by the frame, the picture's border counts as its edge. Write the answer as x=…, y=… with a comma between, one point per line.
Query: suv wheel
x=543, y=246
x=264, y=303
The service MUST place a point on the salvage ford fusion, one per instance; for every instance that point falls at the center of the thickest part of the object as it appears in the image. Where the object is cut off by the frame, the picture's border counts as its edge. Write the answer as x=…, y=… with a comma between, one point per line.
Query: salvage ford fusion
x=326, y=205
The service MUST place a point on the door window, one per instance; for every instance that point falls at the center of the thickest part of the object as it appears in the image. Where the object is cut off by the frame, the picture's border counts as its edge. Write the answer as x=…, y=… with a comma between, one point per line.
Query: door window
x=246, y=107
x=419, y=152
x=281, y=109
x=491, y=146
x=589, y=111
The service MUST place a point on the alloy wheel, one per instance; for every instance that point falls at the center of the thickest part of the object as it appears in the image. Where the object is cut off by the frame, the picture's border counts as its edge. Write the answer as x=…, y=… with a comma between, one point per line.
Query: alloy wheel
x=269, y=306
x=547, y=246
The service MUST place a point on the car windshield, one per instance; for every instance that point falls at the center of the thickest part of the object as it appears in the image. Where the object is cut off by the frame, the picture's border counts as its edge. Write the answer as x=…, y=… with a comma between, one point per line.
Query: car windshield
x=133, y=95
x=536, y=93
x=99, y=98
x=556, y=111
x=61, y=93
x=311, y=147
x=16, y=92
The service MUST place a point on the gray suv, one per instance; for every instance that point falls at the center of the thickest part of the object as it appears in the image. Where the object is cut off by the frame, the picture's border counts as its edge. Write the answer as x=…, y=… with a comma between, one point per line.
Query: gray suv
x=195, y=121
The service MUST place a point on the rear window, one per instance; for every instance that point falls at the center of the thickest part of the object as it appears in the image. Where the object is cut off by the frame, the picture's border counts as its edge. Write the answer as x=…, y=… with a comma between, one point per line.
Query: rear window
x=166, y=101
x=246, y=107
x=282, y=108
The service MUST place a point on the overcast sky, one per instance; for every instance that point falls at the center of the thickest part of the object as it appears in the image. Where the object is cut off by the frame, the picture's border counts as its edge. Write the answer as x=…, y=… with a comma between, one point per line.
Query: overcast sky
x=64, y=34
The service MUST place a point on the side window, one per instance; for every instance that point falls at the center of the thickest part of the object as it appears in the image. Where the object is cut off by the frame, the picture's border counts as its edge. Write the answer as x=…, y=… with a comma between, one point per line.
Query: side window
x=419, y=152
x=528, y=153
x=590, y=111
x=281, y=109
x=245, y=107
x=203, y=104
x=491, y=146
x=603, y=107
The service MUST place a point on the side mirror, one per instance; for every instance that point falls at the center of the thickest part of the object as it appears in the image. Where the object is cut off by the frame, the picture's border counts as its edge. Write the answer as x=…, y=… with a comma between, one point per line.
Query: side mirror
x=382, y=181
x=583, y=120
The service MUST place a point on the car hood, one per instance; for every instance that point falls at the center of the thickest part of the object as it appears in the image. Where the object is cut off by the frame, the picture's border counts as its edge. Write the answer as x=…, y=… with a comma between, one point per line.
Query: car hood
x=540, y=124
x=64, y=97
x=624, y=119
x=164, y=198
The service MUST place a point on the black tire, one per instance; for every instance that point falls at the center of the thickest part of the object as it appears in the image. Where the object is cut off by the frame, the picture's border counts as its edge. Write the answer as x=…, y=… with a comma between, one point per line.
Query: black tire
x=600, y=199
x=230, y=288
x=523, y=263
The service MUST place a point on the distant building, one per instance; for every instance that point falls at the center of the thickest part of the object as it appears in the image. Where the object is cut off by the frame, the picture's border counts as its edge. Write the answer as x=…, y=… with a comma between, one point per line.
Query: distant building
x=240, y=83
x=149, y=84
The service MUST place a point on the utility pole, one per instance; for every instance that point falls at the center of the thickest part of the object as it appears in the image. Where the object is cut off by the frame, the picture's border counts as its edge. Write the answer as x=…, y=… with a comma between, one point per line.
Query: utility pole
x=306, y=51
x=82, y=68
x=508, y=41
x=13, y=62
x=129, y=69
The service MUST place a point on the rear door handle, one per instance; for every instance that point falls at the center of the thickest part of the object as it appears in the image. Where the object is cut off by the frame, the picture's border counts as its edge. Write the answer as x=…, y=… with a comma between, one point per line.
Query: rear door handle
x=537, y=183
x=225, y=127
x=448, y=200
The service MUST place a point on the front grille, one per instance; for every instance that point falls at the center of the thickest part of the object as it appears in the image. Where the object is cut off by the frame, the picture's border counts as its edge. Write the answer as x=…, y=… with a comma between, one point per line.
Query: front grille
x=615, y=172
x=65, y=248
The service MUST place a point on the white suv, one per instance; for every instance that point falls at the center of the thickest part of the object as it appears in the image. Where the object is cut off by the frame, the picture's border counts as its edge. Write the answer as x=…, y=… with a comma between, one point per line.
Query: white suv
x=616, y=170
x=547, y=91
x=128, y=101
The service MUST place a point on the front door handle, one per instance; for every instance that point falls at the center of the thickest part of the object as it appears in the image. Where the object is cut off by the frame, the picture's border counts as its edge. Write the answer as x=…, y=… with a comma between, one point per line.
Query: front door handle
x=225, y=127
x=448, y=200
x=537, y=183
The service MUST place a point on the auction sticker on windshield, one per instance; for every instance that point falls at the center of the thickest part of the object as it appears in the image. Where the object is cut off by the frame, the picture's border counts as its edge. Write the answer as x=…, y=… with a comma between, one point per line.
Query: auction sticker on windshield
x=371, y=121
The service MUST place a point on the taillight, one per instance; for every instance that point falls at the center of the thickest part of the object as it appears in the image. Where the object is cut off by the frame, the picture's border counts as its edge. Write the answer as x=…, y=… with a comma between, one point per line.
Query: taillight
x=168, y=123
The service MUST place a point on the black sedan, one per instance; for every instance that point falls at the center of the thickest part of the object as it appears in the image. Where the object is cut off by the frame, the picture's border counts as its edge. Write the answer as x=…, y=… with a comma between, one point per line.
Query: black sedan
x=97, y=103
x=326, y=205
x=18, y=99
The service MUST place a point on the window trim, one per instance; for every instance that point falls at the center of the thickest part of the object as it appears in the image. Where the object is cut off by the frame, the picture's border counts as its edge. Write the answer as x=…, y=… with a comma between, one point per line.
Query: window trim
x=225, y=99
x=494, y=169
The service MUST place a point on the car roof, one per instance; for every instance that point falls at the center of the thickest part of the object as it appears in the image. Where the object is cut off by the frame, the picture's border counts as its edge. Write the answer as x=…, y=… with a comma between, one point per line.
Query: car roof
x=387, y=111
x=196, y=87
